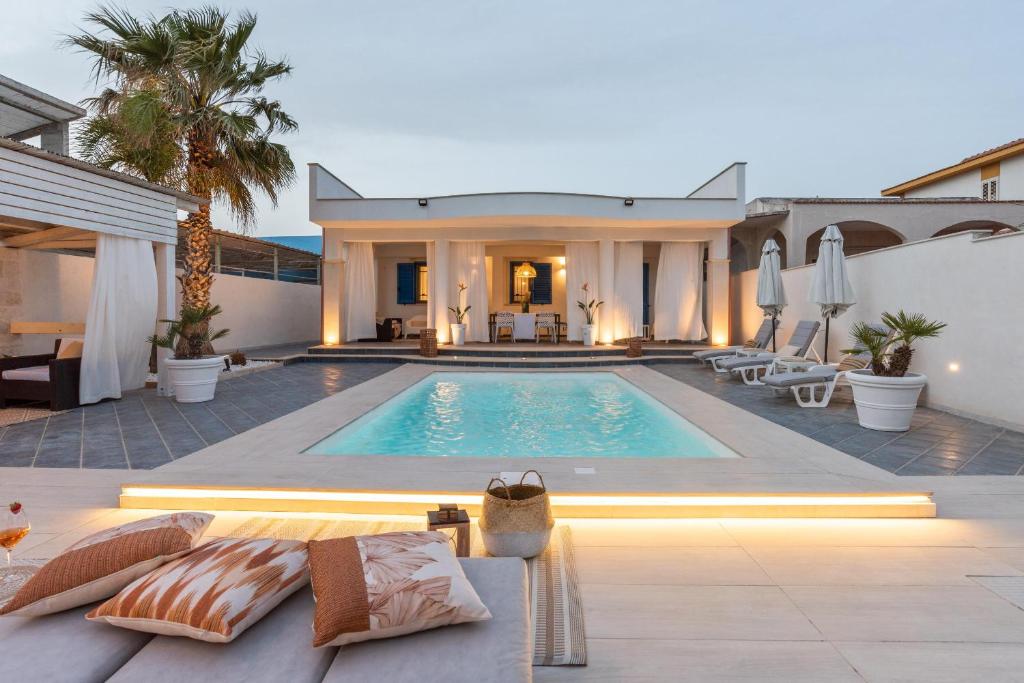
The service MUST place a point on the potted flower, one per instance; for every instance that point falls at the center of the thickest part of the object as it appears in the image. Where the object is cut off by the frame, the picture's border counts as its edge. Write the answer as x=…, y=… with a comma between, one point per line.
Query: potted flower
x=589, y=310
x=886, y=392
x=458, y=327
x=193, y=373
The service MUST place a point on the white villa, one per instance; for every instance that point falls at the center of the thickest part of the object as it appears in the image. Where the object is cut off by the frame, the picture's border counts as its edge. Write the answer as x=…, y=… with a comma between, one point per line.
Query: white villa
x=404, y=257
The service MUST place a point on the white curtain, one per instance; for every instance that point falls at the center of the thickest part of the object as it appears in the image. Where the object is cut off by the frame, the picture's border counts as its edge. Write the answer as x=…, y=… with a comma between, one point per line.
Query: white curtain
x=582, y=266
x=629, y=289
x=122, y=312
x=678, y=310
x=468, y=264
x=360, y=292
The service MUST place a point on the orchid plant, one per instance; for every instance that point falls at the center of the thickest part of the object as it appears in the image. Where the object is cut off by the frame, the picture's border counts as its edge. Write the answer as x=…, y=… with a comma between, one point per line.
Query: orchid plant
x=591, y=305
x=459, y=311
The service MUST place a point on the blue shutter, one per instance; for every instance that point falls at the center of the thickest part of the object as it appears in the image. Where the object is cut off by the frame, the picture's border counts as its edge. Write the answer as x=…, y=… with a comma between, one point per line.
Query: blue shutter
x=647, y=299
x=542, y=284
x=406, y=283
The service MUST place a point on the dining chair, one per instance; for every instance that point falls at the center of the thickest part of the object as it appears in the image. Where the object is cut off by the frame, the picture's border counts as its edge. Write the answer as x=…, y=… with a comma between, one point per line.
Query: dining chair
x=546, y=321
x=504, y=320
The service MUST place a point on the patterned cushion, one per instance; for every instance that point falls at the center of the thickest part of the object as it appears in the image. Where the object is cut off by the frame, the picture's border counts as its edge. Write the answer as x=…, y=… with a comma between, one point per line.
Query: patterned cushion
x=370, y=587
x=102, y=564
x=852, y=362
x=214, y=593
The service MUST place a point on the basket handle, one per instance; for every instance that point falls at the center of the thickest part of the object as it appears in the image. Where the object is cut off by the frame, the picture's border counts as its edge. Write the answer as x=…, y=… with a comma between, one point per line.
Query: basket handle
x=503, y=485
x=542, y=484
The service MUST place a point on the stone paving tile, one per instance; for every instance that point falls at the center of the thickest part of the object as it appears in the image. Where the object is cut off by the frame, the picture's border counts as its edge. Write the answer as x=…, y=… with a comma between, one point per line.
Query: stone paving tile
x=143, y=430
x=938, y=443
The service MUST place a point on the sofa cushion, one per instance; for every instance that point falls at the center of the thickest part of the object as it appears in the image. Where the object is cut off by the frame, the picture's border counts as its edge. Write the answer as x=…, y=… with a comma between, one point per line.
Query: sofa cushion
x=70, y=348
x=214, y=593
x=100, y=565
x=36, y=373
x=64, y=648
x=497, y=650
x=393, y=584
x=275, y=649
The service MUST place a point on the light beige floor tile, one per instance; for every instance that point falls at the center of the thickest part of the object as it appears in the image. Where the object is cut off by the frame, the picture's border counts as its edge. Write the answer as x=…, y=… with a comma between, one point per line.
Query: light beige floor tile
x=1011, y=556
x=936, y=662
x=28, y=546
x=705, y=660
x=696, y=566
x=693, y=612
x=655, y=533
x=910, y=613
x=792, y=566
x=849, y=532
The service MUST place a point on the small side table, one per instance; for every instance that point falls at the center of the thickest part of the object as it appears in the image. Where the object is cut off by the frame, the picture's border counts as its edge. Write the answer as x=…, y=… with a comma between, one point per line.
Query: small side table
x=452, y=519
x=794, y=364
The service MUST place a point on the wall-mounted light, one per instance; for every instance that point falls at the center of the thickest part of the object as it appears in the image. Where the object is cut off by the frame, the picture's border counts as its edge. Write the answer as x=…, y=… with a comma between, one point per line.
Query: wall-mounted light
x=954, y=367
x=628, y=201
x=561, y=261
x=422, y=201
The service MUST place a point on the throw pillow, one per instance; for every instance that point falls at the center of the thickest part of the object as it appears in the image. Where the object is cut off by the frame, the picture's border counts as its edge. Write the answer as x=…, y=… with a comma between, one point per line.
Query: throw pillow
x=371, y=587
x=100, y=565
x=214, y=593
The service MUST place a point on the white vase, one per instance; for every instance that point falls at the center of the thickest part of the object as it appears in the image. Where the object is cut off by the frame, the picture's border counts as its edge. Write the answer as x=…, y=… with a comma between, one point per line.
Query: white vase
x=588, y=335
x=458, y=333
x=885, y=404
x=194, y=379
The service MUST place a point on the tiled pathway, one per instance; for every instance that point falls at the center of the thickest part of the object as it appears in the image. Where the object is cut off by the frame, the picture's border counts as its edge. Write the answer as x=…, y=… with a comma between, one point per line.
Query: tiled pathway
x=937, y=444
x=143, y=430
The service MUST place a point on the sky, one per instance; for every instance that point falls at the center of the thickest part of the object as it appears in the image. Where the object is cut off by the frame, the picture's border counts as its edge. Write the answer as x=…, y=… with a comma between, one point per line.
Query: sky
x=413, y=98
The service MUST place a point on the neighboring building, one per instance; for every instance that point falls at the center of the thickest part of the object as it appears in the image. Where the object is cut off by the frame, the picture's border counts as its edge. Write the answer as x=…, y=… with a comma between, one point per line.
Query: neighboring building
x=993, y=175
x=311, y=243
x=263, y=258
x=613, y=243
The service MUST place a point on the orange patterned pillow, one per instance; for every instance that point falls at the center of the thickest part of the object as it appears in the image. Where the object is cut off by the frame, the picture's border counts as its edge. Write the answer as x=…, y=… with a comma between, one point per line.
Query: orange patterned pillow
x=100, y=565
x=370, y=587
x=214, y=593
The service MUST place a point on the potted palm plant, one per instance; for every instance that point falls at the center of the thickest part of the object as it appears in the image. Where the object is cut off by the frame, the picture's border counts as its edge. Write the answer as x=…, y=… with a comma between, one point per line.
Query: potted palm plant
x=459, y=327
x=193, y=374
x=886, y=392
x=589, y=307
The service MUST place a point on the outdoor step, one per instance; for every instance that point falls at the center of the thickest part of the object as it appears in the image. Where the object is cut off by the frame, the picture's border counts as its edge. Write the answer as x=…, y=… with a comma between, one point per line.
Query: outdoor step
x=505, y=351
x=489, y=361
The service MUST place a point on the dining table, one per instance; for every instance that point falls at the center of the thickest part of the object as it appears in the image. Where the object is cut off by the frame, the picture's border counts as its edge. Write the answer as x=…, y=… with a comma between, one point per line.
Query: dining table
x=524, y=326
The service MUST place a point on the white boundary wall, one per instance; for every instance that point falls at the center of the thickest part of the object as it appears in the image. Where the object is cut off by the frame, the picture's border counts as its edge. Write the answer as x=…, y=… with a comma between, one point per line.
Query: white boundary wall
x=55, y=288
x=973, y=283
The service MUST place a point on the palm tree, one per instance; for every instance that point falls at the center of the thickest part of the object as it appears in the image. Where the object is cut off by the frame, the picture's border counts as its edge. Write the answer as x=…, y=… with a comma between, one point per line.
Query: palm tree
x=184, y=107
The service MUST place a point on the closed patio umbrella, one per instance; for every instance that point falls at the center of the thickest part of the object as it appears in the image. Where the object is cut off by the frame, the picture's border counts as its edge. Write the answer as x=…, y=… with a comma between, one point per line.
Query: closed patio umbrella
x=831, y=288
x=771, y=297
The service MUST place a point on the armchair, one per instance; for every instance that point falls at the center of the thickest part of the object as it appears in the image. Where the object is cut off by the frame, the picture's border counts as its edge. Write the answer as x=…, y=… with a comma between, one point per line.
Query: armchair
x=42, y=377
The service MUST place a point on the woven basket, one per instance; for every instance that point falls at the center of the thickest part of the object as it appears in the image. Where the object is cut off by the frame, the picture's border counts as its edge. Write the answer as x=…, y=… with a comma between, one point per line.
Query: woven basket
x=516, y=519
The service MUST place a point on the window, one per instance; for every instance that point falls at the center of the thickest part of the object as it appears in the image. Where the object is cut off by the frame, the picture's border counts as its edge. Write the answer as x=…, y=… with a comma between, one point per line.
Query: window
x=990, y=189
x=540, y=285
x=412, y=282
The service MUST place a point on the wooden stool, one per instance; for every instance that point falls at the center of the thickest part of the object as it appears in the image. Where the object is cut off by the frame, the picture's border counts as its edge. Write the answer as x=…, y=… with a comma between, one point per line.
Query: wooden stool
x=450, y=517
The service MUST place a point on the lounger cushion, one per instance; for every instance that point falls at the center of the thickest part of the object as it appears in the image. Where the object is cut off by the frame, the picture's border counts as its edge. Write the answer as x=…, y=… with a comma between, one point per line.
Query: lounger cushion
x=278, y=648
x=498, y=650
x=746, y=362
x=387, y=585
x=214, y=593
x=36, y=373
x=708, y=354
x=100, y=565
x=792, y=379
x=64, y=648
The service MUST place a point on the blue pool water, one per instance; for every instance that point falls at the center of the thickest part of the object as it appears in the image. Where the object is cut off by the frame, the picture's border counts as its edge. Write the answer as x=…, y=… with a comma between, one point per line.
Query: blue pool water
x=483, y=414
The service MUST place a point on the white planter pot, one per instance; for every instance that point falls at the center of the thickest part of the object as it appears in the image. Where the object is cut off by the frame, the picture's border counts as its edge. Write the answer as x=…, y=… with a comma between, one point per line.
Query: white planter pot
x=588, y=334
x=194, y=380
x=885, y=404
x=458, y=333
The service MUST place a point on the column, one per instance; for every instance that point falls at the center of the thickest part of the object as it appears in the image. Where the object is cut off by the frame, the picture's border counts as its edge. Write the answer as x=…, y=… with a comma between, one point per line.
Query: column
x=606, y=291
x=165, y=310
x=333, y=277
x=718, y=290
x=439, y=292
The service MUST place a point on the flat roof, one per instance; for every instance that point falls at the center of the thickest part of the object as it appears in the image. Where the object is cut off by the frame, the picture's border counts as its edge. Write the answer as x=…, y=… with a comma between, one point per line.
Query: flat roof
x=24, y=110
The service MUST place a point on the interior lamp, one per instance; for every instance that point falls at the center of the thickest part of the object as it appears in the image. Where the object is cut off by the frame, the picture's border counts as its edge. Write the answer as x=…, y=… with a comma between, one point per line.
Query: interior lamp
x=526, y=270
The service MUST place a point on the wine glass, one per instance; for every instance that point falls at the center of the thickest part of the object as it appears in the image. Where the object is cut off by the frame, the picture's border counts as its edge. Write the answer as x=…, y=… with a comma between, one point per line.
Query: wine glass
x=14, y=526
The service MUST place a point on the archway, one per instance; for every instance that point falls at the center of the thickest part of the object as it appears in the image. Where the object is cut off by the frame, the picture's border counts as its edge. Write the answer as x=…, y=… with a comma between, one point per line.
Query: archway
x=858, y=237
x=780, y=240
x=991, y=227
x=738, y=259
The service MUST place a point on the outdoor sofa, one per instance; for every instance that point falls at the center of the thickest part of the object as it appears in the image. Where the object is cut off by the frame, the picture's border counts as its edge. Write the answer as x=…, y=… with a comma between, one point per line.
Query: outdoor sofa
x=50, y=377
x=65, y=647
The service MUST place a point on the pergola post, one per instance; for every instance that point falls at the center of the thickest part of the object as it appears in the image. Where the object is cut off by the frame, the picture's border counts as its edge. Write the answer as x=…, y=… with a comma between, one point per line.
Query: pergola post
x=165, y=310
x=439, y=294
x=718, y=291
x=606, y=291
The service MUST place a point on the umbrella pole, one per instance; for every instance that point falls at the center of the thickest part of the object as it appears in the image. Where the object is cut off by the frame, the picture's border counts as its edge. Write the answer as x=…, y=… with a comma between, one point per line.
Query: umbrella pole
x=827, y=319
x=773, y=334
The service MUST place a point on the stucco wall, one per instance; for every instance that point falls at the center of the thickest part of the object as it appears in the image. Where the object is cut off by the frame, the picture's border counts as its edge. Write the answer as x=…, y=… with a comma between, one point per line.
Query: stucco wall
x=966, y=184
x=966, y=282
x=49, y=287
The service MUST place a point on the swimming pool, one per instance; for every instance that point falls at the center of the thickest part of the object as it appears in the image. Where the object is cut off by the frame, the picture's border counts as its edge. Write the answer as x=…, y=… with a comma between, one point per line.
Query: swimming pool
x=523, y=414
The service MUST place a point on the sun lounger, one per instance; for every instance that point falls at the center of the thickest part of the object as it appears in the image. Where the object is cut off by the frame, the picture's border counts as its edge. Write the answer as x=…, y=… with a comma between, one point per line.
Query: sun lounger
x=753, y=368
x=761, y=341
x=66, y=647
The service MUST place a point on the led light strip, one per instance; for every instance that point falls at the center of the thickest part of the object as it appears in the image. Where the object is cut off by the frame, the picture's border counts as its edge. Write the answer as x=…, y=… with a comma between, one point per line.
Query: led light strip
x=557, y=500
